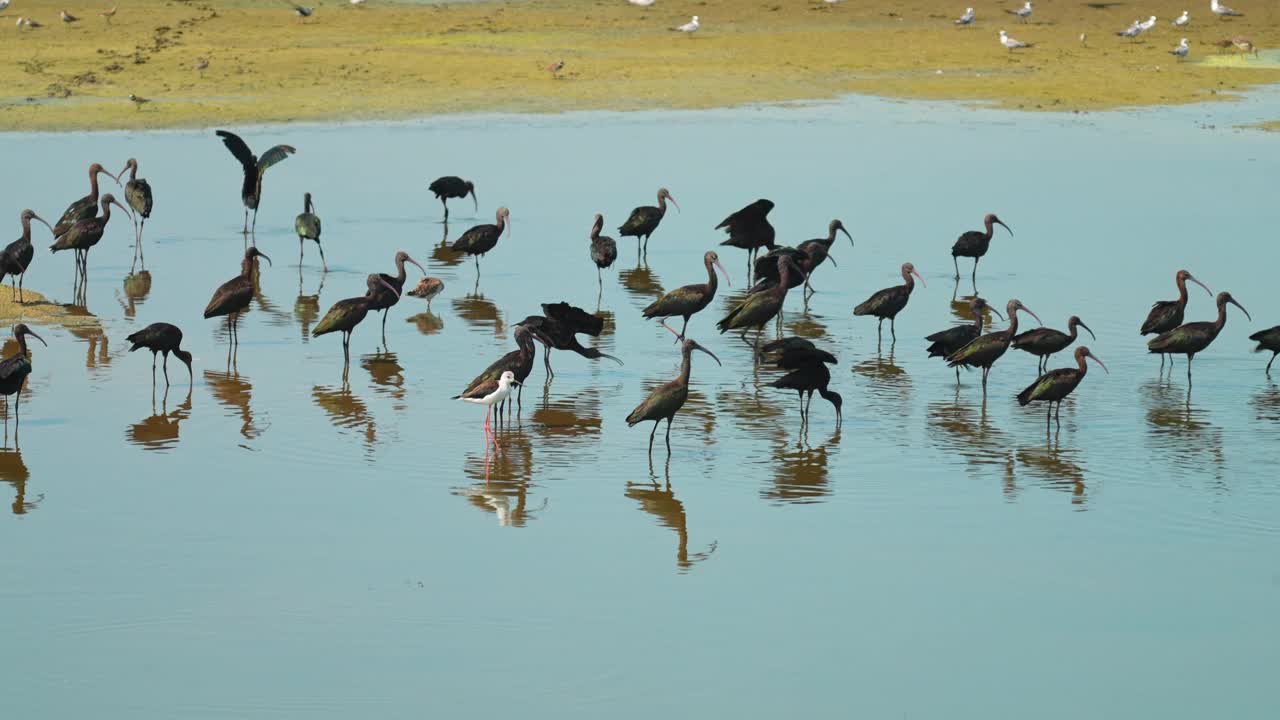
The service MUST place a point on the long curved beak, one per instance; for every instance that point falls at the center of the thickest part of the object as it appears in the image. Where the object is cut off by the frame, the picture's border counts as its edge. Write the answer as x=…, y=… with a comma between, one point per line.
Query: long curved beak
x=1028, y=311
x=917, y=274
x=415, y=262
x=673, y=201
x=34, y=335
x=46, y=223
x=1246, y=312
x=1095, y=359
x=833, y=260
x=997, y=312
x=1006, y=227
x=390, y=287
x=264, y=257
x=120, y=205
x=713, y=355
x=723, y=272
x=846, y=234
x=1206, y=287
x=1086, y=327
x=605, y=355
x=122, y=172
x=476, y=202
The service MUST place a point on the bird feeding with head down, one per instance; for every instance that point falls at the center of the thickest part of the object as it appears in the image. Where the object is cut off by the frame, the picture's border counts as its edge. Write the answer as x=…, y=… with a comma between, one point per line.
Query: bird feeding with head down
x=162, y=338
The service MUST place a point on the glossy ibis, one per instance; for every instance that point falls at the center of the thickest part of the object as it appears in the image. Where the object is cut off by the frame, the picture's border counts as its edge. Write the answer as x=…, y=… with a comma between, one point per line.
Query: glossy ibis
x=84, y=234
x=1166, y=315
x=482, y=238
x=497, y=396
x=87, y=206
x=162, y=338
x=1043, y=342
x=644, y=220
x=953, y=338
x=307, y=225
x=749, y=229
x=15, y=369
x=17, y=255
x=975, y=243
x=426, y=289
x=518, y=361
x=558, y=329
x=346, y=314
x=1268, y=339
x=604, y=250
x=666, y=400
x=254, y=168
x=688, y=300
x=755, y=311
x=819, y=249
x=808, y=373
x=450, y=187
x=137, y=193
x=384, y=300
x=1192, y=338
x=233, y=296
x=887, y=303
x=765, y=269
x=1055, y=385
x=985, y=350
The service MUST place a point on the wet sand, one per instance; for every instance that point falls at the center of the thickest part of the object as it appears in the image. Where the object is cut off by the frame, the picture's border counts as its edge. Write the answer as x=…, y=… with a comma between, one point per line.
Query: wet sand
x=392, y=60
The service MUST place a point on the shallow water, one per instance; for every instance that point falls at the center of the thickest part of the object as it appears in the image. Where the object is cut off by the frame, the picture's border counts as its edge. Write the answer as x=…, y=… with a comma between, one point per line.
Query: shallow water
x=279, y=543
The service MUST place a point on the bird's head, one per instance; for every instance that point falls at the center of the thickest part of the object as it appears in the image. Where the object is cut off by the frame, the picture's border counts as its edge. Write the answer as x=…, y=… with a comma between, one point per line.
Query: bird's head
x=665, y=193
x=1075, y=321
x=837, y=225
x=1083, y=352
x=402, y=257
x=254, y=252
x=29, y=215
x=1225, y=297
x=1016, y=305
x=1183, y=276
x=908, y=270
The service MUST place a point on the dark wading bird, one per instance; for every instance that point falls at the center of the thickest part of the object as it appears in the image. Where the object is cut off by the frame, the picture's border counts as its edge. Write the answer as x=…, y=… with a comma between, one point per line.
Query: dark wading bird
x=765, y=269
x=482, y=238
x=689, y=300
x=666, y=400
x=1194, y=337
x=887, y=303
x=603, y=249
x=450, y=187
x=162, y=338
x=984, y=351
x=384, y=300
x=346, y=314
x=1166, y=315
x=518, y=361
x=953, y=338
x=1055, y=385
x=87, y=206
x=975, y=243
x=84, y=234
x=558, y=329
x=307, y=225
x=17, y=255
x=1268, y=339
x=234, y=296
x=1044, y=342
x=254, y=168
x=757, y=310
x=819, y=249
x=14, y=370
x=808, y=373
x=137, y=193
x=750, y=230
x=644, y=220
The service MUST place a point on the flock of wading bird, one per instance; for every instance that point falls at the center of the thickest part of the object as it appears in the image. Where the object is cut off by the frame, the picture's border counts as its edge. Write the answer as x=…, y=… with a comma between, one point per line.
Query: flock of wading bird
x=777, y=271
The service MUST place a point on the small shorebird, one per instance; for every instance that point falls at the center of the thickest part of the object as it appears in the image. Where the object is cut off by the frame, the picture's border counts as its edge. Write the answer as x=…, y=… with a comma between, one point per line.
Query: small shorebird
x=641, y=3
x=1244, y=44
x=1150, y=23
x=68, y=18
x=1222, y=11
x=555, y=68
x=1023, y=12
x=29, y=23
x=966, y=18
x=1182, y=19
x=1010, y=43
x=138, y=102
x=302, y=12
x=1222, y=45
x=201, y=65
x=108, y=14
x=427, y=288
x=500, y=394
x=1133, y=31
x=690, y=27
x=1181, y=51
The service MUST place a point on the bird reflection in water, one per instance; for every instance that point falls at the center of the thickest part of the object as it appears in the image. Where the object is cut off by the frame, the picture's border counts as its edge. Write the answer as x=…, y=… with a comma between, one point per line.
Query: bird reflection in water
x=1180, y=432
x=387, y=374
x=1056, y=467
x=306, y=309
x=956, y=430
x=136, y=288
x=754, y=409
x=13, y=470
x=234, y=392
x=567, y=422
x=347, y=412
x=503, y=479
x=160, y=430
x=1265, y=402
x=480, y=313
x=427, y=322
x=888, y=391
x=807, y=326
x=800, y=470
x=962, y=310
x=641, y=283
x=87, y=329
x=660, y=501
x=445, y=255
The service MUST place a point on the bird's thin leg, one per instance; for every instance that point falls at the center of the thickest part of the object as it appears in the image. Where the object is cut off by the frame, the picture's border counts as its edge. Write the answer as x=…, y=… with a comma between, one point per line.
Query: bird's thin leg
x=685, y=326
x=384, y=327
x=893, y=328
x=1057, y=416
x=1162, y=363
x=800, y=393
x=957, y=376
x=1189, y=359
x=879, y=330
x=985, y=370
x=165, y=368
x=324, y=263
x=956, y=262
x=974, y=277
x=669, y=434
x=651, y=434
x=299, y=251
x=1048, y=417
x=346, y=349
x=142, y=255
x=445, y=203
x=253, y=229
x=520, y=398
x=1273, y=359
x=245, y=231
x=153, y=371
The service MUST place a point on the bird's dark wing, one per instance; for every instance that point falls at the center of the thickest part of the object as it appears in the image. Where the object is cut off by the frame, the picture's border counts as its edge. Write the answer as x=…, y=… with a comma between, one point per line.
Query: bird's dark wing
x=240, y=150
x=277, y=154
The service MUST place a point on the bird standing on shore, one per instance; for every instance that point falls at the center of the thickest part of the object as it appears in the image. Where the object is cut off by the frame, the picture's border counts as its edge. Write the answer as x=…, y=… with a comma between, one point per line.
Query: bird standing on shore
x=108, y=14
x=1011, y=43
x=1181, y=51
x=17, y=255
x=67, y=17
x=966, y=18
x=137, y=101
x=1183, y=19
x=1150, y=23
x=302, y=12
x=1223, y=11
x=555, y=68
x=1023, y=12
x=690, y=27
